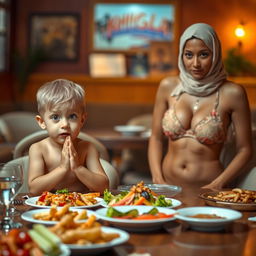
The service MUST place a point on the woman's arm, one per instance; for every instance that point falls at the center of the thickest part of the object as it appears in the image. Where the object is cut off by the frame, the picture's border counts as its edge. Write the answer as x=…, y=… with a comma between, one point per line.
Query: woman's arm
x=241, y=120
x=155, y=149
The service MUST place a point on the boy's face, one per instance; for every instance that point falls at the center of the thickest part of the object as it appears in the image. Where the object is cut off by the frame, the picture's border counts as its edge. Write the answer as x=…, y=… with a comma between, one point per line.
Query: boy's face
x=62, y=121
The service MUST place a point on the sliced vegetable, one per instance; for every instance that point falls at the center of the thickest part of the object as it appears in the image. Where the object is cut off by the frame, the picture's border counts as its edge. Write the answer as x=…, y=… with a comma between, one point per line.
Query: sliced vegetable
x=161, y=201
x=45, y=239
x=42, y=242
x=125, y=200
x=107, y=196
x=44, y=231
x=62, y=191
x=140, y=201
x=153, y=211
x=112, y=212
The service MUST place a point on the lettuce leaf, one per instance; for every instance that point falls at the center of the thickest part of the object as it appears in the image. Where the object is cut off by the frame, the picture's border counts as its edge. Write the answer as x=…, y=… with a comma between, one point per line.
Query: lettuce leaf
x=161, y=201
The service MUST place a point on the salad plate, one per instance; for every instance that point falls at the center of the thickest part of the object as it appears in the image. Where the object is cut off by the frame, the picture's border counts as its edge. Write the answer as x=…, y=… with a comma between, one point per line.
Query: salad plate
x=160, y=189
x=99, y=248
x=32, y=202
x=137, y=225
x=207, y=218
x=175, y=203
x=28, y=216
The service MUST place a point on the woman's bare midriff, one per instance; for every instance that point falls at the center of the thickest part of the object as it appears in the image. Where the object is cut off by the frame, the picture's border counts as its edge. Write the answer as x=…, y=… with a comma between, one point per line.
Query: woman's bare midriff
x=188, y=162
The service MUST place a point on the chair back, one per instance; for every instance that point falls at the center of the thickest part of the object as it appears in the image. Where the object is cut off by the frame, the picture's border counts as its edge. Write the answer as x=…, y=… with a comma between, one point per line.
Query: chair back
x=22, y=147
x=248, y=174
x=110, y=171
x=16, y=125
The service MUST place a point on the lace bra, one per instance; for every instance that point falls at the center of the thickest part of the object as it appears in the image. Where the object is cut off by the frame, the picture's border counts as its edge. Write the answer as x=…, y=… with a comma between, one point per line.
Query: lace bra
x=208, y=131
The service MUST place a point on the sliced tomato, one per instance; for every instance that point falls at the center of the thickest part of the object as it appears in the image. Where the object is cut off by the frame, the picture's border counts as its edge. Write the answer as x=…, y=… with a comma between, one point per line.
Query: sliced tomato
x=126, y=200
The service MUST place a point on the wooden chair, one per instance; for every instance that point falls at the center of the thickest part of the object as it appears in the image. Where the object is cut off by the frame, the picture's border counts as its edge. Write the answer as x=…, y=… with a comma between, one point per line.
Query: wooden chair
x=248, y=175
x=17, y=124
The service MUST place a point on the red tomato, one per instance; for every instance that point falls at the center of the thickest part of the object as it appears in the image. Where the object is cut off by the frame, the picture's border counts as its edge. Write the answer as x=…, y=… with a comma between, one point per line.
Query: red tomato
x=22, y=252
x=6, y=252
x=22, y=238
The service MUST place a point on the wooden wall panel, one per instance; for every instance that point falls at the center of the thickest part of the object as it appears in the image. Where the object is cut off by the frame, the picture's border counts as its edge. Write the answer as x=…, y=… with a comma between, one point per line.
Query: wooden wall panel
x=120, y=90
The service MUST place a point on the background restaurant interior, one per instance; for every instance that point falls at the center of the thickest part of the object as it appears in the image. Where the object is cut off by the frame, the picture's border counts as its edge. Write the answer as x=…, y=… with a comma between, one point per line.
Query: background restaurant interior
x=92, y=43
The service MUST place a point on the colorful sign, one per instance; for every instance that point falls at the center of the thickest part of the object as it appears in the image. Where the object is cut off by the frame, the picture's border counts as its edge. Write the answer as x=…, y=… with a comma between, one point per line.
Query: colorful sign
x=128, y=26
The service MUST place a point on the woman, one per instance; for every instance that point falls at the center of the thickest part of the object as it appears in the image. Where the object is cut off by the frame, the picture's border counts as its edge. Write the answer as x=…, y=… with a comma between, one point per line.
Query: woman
x=195, y=111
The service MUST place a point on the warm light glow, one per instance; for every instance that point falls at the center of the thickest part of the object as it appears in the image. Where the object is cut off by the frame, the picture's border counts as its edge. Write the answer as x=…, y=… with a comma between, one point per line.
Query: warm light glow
x=239, y=31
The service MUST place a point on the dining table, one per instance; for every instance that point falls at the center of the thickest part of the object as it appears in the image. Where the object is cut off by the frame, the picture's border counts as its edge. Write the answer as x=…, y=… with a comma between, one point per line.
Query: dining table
x=178, y=238
x=115, y=141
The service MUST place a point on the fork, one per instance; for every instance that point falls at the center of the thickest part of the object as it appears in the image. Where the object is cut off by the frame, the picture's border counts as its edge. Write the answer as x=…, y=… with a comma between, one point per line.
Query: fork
x=17, y=201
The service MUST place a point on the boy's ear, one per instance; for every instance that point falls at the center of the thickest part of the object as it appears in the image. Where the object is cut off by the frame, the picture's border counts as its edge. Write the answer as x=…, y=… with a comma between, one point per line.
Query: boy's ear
x=84, y=117
x=40, y=122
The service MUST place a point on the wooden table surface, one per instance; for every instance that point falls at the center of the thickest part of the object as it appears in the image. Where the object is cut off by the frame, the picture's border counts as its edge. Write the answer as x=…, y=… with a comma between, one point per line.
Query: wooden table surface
x=176, y=238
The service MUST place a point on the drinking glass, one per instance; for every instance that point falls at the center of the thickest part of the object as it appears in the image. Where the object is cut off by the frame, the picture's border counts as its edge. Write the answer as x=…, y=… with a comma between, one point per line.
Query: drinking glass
x=11, y=180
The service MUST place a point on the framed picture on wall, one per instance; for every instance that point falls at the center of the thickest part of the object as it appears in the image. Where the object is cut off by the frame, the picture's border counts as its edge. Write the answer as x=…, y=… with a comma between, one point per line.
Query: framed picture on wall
x=56, y=34
x=162, y=58
x=107, y=65
x=129, y=26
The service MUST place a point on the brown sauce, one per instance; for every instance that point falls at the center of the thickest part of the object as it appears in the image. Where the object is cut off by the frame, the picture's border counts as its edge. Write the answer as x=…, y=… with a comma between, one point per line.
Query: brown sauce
x=206, y=216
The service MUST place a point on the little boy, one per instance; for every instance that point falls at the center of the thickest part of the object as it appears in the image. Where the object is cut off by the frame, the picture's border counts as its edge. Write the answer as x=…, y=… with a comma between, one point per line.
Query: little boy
x=62, y=160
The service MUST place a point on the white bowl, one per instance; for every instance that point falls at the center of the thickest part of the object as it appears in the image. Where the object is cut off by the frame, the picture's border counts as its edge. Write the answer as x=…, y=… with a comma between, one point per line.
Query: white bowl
x=203, y=224
x=130, y=130
x=136, y=225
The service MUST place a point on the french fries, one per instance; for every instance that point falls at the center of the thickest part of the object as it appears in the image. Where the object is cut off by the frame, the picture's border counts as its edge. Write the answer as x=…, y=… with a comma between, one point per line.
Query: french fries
x=236, y=195
x=90, y=232
x=55, y=215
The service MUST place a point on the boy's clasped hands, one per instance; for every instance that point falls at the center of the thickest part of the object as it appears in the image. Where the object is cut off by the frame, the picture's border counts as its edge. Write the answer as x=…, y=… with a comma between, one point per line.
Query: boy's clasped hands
x=69, y=156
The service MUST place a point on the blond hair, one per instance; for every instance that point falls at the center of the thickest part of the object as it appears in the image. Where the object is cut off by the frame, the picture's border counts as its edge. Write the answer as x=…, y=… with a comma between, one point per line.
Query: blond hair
x=59, y=91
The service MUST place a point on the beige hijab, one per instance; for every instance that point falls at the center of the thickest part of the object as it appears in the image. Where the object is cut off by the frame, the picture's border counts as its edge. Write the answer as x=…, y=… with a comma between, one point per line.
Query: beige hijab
x=216, y=75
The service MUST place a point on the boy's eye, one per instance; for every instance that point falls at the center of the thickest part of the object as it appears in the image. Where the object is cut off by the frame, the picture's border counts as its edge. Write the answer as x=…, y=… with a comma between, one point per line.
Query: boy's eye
x=73, y=116
x=55, y=117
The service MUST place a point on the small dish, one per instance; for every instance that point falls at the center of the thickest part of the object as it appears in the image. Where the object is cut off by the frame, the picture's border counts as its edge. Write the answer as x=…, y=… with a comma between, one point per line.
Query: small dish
x=137, y=225
x=28, y=216
x=231, y=205
x=130, y=130
x=32, y=202
x=99, y=248
x=160, y=189
x=207, y=224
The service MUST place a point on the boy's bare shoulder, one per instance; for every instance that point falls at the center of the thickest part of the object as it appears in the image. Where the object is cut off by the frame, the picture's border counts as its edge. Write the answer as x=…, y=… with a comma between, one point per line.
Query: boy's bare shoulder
x=39, y=145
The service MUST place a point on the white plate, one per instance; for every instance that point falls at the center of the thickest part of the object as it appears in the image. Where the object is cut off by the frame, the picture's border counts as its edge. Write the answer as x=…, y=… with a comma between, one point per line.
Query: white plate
x=136, y=225
x=160, y=189
x=175, y=203
x=98, y=248
x=202, y=224
x=130, y=130
x=28, y=216
x=64, y=250
x=32, y=202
